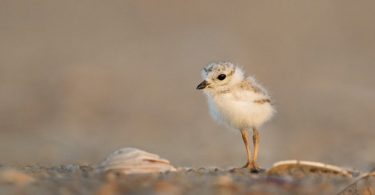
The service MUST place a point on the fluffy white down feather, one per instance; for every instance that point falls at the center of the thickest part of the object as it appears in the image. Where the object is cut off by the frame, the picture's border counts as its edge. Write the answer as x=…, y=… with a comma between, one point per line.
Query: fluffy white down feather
x=237, y=108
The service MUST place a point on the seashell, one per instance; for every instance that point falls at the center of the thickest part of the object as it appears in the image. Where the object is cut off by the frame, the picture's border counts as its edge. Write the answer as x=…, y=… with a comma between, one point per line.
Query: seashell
x=134, y=161
x=305, y=168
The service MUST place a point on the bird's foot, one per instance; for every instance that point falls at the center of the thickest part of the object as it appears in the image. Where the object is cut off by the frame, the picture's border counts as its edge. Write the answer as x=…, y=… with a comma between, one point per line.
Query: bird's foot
x=254, y=168
x=257, y=170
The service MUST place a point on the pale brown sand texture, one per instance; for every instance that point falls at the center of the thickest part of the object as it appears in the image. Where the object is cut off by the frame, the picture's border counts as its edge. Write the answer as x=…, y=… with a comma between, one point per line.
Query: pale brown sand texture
x=79, y=79
x=81, y=179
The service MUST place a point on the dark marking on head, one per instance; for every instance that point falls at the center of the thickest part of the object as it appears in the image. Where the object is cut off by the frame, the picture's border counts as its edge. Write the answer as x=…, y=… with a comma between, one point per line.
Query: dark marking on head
x=231, y=72
x=209, y=68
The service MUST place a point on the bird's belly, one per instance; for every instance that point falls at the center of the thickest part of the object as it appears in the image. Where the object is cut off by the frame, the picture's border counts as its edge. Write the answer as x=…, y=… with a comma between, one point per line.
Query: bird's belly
x=241, y=114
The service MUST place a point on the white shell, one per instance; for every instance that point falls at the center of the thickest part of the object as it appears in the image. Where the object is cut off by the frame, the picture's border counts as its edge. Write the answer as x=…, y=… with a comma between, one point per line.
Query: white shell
x=134, y=161
x=297, y=166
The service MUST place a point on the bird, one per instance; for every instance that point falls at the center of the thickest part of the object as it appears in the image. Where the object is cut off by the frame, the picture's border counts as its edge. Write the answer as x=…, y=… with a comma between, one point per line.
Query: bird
x=238, y=102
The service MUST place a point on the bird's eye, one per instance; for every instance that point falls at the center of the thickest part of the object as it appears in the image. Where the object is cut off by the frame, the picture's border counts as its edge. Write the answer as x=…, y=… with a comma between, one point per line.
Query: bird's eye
x=221, y=77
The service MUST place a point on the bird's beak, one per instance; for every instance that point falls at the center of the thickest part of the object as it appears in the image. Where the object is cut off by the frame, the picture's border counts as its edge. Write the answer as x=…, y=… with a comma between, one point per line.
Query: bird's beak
x=202, y=85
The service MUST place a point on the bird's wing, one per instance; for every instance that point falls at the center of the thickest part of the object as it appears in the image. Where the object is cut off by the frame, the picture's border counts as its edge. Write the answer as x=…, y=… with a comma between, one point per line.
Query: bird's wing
x=249, y=89
x=250, y=84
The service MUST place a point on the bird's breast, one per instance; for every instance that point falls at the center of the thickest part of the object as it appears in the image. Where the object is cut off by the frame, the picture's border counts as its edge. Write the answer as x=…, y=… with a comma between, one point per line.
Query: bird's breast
x=240, y=110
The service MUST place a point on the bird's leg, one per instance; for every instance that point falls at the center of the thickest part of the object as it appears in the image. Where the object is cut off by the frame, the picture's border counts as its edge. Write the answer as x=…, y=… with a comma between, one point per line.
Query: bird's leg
x=256, y=138
x=245, y=137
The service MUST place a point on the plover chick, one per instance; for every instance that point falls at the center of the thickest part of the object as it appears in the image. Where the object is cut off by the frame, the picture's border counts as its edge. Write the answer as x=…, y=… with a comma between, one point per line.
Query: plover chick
x=237, y=101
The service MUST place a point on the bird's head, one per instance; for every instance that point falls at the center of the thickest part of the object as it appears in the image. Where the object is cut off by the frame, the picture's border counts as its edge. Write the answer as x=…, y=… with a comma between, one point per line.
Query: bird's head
x=220, y=75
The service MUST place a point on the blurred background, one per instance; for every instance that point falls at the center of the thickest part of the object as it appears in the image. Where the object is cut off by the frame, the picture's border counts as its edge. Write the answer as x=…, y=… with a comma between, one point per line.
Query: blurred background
x=79, y=79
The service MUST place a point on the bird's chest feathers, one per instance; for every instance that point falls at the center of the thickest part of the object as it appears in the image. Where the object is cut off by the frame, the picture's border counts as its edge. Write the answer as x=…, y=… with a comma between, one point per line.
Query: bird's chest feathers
x=234, y=103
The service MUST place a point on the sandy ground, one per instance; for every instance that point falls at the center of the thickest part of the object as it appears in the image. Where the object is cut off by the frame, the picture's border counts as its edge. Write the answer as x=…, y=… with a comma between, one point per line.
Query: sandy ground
x=82, y=179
